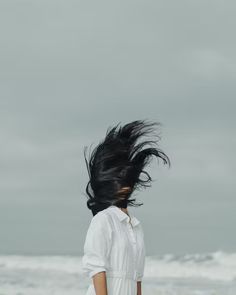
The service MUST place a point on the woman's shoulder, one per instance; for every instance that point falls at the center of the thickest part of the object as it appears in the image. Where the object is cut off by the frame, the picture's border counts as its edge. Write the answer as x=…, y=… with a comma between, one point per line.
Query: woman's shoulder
x=101, y=217
x=100, y=223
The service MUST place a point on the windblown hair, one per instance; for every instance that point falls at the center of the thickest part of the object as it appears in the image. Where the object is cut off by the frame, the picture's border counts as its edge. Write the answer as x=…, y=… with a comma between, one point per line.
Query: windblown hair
x=115, y=165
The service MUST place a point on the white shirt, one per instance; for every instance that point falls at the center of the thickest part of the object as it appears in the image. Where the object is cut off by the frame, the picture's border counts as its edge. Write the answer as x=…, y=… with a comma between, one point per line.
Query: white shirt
x=113, y=245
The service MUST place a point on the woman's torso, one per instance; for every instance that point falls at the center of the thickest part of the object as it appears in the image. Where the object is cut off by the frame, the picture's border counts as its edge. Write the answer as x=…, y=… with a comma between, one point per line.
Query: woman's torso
x=127, y=253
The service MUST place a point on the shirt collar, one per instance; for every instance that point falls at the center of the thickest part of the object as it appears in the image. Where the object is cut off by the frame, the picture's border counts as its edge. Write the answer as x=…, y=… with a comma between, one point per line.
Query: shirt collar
x=123, y=216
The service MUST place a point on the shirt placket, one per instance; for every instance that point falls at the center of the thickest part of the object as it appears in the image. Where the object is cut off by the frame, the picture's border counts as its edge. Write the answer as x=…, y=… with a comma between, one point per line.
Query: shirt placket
x=132, y=237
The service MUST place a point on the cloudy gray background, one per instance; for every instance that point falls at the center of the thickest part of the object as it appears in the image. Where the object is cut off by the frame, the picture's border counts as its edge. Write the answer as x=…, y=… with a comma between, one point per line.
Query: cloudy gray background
x=69, y=70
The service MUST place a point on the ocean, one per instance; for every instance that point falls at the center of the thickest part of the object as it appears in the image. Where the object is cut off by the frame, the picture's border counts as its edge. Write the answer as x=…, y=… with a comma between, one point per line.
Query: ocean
x=189, y=274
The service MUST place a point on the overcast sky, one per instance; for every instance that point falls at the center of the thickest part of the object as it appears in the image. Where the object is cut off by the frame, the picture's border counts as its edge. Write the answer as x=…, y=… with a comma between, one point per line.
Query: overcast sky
x=69, y=70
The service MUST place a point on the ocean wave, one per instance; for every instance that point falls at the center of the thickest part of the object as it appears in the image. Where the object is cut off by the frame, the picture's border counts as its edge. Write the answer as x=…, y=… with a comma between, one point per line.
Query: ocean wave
x=217, y=265
x=169, y=274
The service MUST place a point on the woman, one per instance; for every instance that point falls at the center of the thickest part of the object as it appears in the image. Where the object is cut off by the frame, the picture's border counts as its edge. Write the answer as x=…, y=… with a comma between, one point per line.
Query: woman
x=114, y=248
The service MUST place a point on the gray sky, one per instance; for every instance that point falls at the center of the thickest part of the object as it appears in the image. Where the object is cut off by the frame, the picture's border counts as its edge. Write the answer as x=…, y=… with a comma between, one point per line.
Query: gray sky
x=70, y=69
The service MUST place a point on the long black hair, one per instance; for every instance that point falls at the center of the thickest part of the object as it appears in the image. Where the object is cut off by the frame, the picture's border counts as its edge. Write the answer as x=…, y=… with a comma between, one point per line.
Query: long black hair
x=115, y=165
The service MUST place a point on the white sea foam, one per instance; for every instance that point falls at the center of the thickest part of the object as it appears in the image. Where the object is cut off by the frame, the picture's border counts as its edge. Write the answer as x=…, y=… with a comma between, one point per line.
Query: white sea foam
x=213, y=266
x=190, y=274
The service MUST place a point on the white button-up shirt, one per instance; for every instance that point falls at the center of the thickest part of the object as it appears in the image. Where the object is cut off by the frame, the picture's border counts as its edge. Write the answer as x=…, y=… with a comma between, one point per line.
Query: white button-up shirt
x=113, y=245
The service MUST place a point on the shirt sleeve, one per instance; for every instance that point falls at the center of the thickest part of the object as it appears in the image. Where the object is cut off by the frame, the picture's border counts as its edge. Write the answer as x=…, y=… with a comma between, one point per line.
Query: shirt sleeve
x=97, y=246
x=141, y=262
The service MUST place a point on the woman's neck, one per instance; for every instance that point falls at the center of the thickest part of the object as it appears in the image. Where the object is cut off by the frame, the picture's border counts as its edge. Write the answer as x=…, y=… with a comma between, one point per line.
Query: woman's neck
x=124, y=210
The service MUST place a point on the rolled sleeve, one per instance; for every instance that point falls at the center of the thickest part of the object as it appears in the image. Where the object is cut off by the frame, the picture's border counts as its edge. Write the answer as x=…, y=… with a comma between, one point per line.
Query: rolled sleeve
x=97, y=246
